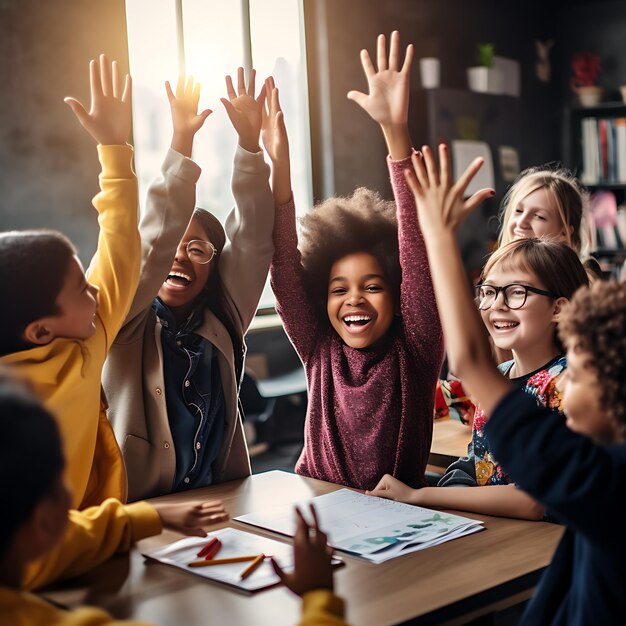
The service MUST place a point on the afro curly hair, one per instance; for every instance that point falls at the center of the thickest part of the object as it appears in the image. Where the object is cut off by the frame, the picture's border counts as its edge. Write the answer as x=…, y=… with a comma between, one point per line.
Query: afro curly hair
x=595, y=320
x=339, y=226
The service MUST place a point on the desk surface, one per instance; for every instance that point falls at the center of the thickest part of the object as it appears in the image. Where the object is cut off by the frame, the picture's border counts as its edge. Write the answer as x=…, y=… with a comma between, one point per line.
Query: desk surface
x=450, y=439
x=438, y=584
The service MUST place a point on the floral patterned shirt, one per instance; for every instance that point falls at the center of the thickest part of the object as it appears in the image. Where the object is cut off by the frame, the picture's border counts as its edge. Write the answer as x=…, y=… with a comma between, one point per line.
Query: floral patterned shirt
x=480, y=467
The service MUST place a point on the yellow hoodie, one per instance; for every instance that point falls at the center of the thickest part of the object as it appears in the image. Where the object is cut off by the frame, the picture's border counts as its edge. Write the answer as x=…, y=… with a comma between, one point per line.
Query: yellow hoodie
x=66, y=376
x=20, y=608
x=66, y=373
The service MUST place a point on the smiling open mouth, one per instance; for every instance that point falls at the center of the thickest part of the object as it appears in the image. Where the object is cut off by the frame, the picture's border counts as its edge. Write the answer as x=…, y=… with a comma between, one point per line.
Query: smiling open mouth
x=356, y=321
x=178, y=280
x=505, y=325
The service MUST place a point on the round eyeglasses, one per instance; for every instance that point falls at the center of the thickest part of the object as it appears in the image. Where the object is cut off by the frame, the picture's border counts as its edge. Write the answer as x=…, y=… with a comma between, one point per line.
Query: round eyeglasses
x=201, y=252
x=514, y=295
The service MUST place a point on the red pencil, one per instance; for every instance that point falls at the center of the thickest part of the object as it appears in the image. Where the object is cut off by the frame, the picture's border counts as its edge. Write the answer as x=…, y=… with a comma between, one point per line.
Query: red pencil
x=210, y=547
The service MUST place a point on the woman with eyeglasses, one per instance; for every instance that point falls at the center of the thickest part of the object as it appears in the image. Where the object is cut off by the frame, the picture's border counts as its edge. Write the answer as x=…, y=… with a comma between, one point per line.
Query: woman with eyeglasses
x=173, y=374
x=522, y=290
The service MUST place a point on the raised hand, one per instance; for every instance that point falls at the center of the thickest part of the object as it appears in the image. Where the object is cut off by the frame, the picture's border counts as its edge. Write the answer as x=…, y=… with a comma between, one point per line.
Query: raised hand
x=392, y=489
x=312, y=558
x=109, y=119
x=244, y=111
x=191, y=518
x=441, y=204
x=388, y=100
x=276, y=143
x=186, y=120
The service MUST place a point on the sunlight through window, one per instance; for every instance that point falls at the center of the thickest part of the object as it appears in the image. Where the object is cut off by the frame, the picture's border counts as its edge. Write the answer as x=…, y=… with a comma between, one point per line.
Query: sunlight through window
x=212, y=38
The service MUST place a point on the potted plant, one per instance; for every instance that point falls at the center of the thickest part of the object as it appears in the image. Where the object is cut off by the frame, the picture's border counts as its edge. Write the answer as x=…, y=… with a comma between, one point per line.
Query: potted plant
x=585, y=69
x=484, y=77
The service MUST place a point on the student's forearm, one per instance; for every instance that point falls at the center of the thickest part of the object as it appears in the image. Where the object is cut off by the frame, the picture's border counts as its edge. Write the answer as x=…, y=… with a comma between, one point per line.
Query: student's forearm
x=469, y=356
x=281, y=182
x=398, y=140
x=501, y=500
x=183, y=143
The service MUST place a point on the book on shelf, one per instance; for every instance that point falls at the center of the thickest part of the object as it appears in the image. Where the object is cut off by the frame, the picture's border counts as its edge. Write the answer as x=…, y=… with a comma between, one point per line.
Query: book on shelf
x=603, y=143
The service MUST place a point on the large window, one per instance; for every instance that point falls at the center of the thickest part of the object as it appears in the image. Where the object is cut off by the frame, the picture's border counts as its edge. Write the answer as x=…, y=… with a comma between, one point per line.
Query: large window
x=209, y=39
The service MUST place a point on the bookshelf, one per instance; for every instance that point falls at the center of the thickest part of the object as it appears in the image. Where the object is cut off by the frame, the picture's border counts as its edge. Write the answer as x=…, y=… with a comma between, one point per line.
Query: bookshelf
x=595, y=145
x=595, y=148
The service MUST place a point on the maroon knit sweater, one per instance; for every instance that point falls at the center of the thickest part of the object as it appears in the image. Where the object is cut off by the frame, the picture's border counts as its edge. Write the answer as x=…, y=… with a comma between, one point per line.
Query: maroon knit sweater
x=370, y=412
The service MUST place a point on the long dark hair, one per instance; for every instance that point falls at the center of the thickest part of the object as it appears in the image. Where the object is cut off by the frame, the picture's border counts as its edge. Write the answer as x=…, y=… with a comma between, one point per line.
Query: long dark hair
x=215, y=296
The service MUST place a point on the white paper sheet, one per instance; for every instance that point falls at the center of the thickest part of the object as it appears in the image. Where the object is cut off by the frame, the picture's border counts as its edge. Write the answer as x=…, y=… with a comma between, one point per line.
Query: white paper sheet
x=234, y=543
x=372, y=528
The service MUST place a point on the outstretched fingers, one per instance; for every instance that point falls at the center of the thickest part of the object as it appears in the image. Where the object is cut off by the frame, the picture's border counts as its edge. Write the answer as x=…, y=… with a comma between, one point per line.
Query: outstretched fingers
x=105, y=76
x=230, y=89
x=445, y=167
x=94, y=81
x=431, y=166
x=252, y=83
x=394, y=50
x=241, y=82
x=408, y=59
x=417, y=191
x=381, y=52
x=466, y=177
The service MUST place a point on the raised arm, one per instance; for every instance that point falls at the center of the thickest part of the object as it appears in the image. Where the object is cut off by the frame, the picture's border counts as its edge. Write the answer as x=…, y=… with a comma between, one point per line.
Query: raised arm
x=115, y=266
x=387, y=104
x=170, y=201
x=245, y=259
x=441, y=208
x=297, y=311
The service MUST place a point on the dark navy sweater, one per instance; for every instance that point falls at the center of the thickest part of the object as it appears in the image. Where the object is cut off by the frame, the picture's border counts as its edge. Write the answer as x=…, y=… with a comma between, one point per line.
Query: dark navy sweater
x=583, y=484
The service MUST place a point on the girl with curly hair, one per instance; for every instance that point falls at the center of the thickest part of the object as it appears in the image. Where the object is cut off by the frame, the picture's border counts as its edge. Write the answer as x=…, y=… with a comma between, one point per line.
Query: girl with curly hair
x=575, y=468
x=370, y=341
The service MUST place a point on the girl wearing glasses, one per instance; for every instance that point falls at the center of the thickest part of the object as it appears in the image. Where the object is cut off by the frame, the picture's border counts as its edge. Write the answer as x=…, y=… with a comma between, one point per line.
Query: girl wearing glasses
x=172, y=378
x=522, y=290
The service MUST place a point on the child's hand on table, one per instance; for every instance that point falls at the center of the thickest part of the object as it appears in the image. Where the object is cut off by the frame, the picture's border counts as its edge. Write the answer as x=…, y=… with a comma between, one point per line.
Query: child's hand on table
x=393, y=489
x=312, y=559
x=190, y=518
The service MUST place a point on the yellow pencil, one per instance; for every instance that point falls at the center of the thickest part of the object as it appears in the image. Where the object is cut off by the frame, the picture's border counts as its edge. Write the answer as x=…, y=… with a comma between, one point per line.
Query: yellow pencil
x=259, y=559
x=234, y=559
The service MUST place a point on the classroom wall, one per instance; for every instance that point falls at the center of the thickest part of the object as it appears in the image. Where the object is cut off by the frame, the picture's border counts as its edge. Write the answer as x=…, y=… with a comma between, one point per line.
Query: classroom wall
x=48, y=163
x=450, y=30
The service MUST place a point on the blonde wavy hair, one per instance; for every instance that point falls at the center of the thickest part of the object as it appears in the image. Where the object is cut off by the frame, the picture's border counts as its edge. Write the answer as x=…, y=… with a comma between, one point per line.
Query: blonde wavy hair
x=570, y=200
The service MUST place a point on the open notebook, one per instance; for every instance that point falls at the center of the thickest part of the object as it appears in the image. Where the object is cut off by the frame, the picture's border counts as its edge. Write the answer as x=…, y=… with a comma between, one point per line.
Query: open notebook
x=368, y=527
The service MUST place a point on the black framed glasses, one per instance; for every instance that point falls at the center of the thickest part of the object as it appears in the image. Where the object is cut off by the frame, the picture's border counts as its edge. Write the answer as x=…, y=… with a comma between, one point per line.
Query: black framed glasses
x=514, y=295
x=201, y=252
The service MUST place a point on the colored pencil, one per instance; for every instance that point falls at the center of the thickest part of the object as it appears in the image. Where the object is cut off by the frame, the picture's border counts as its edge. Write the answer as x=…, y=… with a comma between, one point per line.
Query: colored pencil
x=252, y=567
x=234, y=559
x=207, y=547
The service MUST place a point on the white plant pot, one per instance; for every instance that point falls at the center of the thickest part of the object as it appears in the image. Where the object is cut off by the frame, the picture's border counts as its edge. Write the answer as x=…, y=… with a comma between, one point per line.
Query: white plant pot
x=429, y=72
x=484, y=79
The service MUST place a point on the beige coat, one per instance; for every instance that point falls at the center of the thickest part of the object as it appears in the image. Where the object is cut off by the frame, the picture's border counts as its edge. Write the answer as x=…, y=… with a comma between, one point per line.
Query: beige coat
x=133, y=376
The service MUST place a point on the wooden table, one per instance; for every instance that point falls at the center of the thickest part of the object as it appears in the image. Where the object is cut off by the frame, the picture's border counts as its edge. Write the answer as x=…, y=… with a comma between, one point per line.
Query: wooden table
x=450, y=439
x=449, y=584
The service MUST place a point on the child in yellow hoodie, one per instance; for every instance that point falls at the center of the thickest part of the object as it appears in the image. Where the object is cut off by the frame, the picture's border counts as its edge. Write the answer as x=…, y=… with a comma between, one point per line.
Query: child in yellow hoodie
x=57, y=325
x=38, y=517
